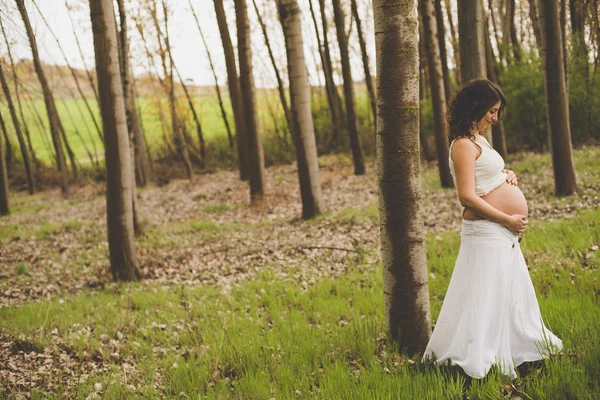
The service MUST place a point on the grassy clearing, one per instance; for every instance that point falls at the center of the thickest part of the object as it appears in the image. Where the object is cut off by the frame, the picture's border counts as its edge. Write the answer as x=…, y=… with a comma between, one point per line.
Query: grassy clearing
x=265, y=338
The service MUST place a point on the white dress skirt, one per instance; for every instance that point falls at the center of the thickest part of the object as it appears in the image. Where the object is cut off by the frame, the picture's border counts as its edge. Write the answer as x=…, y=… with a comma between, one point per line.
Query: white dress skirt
x=490, y=314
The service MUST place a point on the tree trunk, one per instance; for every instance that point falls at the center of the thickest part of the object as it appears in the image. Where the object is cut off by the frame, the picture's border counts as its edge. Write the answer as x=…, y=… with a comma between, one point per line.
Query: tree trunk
x=357, y=156
x=338, y=118
x=303, y=132
x=472, y=43
x=329, y=85
x=19, y=133
x=495, y=28
x=454, y=41
x=141, y=163
x=4, y=204
x=406, y=294
x=9, y=150
x=280, y=88
x=441, y=32
x=73, y=74
x=563, y=28
x=235, y=95
x=556, y=98
x=255, y=151
x=53, y=117
x=217, y=88
x=16, y=82
x=119, y=180
x=438, y=95
x=365, y=60
x=498, y=140
x=87, y=71
x=533, y=15
x=513, y=33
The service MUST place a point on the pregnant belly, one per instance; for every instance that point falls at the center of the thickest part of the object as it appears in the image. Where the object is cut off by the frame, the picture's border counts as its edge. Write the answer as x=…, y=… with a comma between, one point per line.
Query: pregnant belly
x=506, y=198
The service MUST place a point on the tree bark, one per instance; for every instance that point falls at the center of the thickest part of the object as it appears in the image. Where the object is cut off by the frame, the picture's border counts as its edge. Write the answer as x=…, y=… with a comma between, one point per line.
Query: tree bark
x=119, y=174
x=472, y=43
x=516, y=48
x=141, y=163
x=357, y=156
x=406, y=294
x=235, y=95
x=556, y=98
x=4, y=203
x=303, y=132
x=438, y=95
x=255, y=151
x=53, y=118
x=365, y=60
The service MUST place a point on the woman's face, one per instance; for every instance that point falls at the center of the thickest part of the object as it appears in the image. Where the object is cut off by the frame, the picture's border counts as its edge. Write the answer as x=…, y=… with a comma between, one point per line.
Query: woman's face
x=490, y=118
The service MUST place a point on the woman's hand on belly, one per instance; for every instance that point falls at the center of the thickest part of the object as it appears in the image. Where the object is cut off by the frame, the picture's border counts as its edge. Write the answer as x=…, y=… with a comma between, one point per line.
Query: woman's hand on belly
x=511, y=177
x=507, y=198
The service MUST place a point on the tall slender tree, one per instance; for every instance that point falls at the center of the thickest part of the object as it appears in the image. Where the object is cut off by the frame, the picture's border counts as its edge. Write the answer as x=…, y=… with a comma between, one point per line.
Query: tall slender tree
x=406, y=293
x=256, y=162
x=498, y=140
x=141, y=163
x=53, y=118
x=438, y=95
x=337, y=109
x=365, y=60
x=233, y=84
x=557, y=105
x=4, y=203
x=303, y=132
x=472, y=43
x=441, y=32
x=117, y=154
x=357, y=156
x=18, y=131
x=454, y=41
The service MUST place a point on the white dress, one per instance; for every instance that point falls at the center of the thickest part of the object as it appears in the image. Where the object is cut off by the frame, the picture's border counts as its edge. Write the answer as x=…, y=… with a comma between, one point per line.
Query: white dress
x=490, y=314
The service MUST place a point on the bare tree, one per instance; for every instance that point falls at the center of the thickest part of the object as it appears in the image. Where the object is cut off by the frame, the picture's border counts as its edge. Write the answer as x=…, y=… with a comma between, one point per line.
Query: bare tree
x=303, y=131
x=233, y=84
x=406, y=294
x=438, y=95
x=357, y=156
x=53, y=118
x=280, y=88
x=498, y=139
x=139, y=154
x=441, y=32
x=472, y=42
x=119, y=174
x=255, y=151
x=337, y=109
x=365, y=60
x=556, y=98
x=4, y=204
x=18, y=131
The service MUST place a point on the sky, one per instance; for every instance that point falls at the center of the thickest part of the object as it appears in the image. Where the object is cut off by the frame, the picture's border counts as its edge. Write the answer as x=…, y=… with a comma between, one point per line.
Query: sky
x=188, y=51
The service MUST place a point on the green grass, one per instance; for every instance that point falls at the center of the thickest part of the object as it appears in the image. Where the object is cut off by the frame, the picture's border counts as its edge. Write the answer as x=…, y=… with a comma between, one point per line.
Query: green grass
x=267, y=338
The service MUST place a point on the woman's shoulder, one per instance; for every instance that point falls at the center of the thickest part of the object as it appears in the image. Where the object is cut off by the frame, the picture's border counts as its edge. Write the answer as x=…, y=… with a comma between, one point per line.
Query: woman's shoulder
x=464, y=146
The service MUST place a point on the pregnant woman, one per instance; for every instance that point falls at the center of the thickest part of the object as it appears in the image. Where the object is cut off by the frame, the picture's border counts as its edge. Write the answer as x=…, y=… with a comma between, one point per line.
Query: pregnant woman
x=490, y=314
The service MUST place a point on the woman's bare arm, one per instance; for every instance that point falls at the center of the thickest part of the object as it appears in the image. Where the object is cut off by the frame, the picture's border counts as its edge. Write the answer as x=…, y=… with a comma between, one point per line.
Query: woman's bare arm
x=464, y=153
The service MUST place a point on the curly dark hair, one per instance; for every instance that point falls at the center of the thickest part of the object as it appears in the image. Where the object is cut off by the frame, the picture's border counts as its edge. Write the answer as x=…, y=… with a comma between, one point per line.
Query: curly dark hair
x=469, y=105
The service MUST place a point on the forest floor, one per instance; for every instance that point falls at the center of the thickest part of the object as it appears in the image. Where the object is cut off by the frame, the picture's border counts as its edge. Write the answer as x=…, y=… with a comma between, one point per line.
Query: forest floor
x=202, y=233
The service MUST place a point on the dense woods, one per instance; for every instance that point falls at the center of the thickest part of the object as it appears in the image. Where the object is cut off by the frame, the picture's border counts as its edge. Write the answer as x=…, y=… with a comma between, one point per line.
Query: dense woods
x=286, y=84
